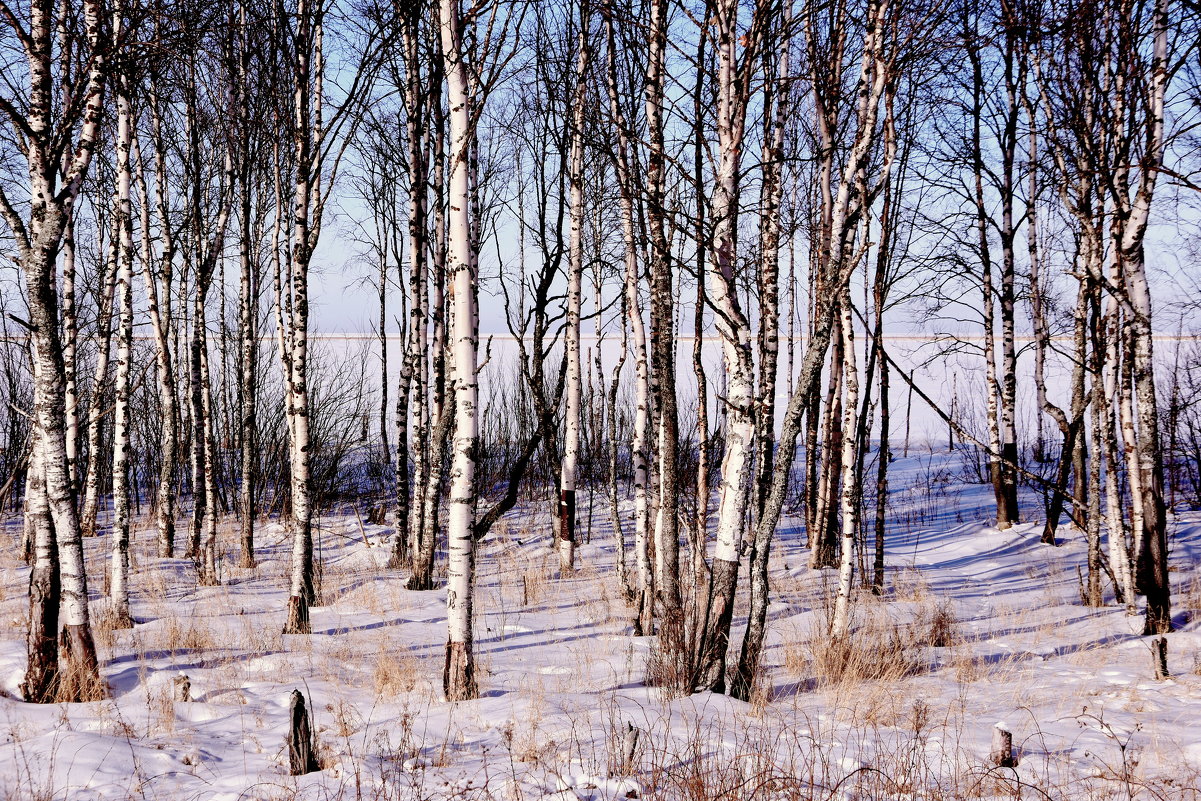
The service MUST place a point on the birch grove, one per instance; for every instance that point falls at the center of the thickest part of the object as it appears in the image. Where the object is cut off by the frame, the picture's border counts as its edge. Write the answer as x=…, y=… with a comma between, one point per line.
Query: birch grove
x=650, y=284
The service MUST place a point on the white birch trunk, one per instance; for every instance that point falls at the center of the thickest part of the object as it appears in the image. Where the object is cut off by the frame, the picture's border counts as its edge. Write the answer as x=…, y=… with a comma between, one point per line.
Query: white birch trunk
x=459, y=672
x=737, y=353
x=1119, y=545
x=49, y=142
x=841, y=623
x=575, y=278
x=306, y=228
x=667, y=542
x=119, y=571
x=91, y=479
x=644, y=622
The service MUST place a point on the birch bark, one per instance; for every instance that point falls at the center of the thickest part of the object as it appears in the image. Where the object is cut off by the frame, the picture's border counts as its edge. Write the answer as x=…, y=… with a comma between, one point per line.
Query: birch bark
x=644, y=619
x=123, y=209
x=666, y=538
x=458, y=677
x=54, y=136
x=573, y=417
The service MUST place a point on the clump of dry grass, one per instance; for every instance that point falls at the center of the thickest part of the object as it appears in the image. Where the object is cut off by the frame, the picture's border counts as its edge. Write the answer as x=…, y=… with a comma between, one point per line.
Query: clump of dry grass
x=857, y=658
x=535, y=580
x=396, y=672
x=177, y=636
x=910, y=584
x=879, y=649
x=1190, y=597
x=78, y=686
x=937, y=625
x=104, y=628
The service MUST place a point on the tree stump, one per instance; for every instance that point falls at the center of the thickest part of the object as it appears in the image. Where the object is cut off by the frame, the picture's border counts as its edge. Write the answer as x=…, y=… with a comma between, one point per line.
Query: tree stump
x=629, y=746
x=1159, y=658
x=183, y=688
x=301, y=758
x=1002, y=746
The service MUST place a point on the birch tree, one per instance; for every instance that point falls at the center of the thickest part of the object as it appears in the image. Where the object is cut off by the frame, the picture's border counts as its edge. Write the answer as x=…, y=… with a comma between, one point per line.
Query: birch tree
x=1135, y=120
x=734, y=73
x=458, y=676
x=624, y=162
x=320, y=135
x=123, y=213
x=848, y=204
x=57, y=117
x=662, y=350
x=575, y=277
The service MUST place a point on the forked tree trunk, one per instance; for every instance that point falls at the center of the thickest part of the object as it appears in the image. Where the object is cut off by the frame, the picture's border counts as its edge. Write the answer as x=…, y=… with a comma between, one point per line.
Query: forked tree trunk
x=38, y=242
x=1128, y=233
x=80, y=673
x=736, y=336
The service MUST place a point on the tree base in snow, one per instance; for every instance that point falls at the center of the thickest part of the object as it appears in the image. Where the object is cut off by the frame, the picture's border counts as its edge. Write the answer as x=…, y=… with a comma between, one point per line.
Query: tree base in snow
x=458, y=674
x=421, y=580
x=119, y=619
x=298, y=616
x=41, y=673
x=79, y=673
x=712, y=667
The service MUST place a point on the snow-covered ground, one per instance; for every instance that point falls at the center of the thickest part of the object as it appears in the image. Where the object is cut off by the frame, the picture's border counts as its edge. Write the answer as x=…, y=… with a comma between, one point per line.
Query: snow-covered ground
x=563, y=679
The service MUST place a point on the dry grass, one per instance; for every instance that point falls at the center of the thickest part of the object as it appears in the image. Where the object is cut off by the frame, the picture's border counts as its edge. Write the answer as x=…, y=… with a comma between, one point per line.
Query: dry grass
x=397, y=672
x=536, y=579
x=192, y=634
x=1190, y=597
x=879, y=649
x=937, y=625
x=886, y=657
x=910, y=584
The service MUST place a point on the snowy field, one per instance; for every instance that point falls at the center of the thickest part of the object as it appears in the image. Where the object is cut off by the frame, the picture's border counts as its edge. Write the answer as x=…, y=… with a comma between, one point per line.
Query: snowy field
x=978, y=627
